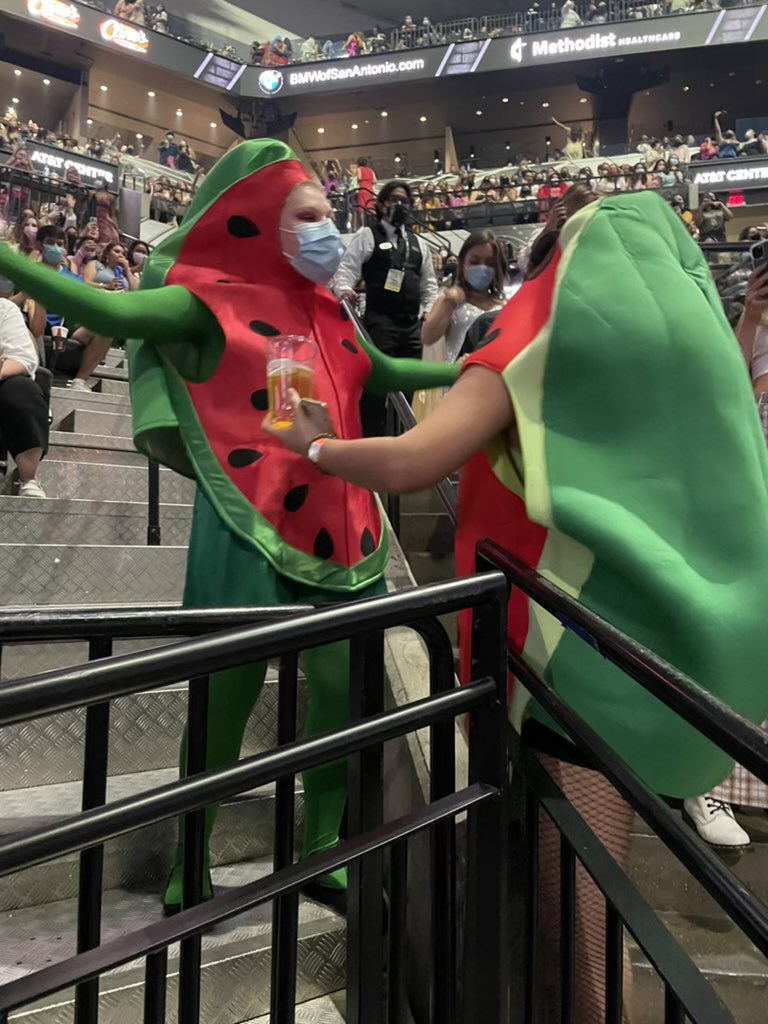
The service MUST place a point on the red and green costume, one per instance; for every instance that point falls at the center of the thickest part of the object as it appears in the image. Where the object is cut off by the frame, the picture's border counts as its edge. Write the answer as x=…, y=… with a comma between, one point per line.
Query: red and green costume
x=268, y=527
x=637, y=481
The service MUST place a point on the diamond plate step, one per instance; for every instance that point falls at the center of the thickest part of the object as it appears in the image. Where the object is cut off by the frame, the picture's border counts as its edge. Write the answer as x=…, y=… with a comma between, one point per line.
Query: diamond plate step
x=144, y=734
x=106, y=476
x=65, y=401
x=44, y=574
x=326, y=1010
x=736, y=969
x=103, y=386
x=120, y=374
x=236, y=956
x=76, y=521
x=667, y=885
x=101, y=424
x=244, y=830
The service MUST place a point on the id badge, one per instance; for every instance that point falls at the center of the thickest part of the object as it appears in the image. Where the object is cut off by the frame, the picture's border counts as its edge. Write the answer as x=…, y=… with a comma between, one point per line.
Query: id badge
x=394, y=281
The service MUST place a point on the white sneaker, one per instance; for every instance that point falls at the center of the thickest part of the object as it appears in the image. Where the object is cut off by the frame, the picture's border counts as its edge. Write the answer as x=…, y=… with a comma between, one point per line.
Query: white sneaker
x=31, y=489
x=78, y=384
x=715, y=822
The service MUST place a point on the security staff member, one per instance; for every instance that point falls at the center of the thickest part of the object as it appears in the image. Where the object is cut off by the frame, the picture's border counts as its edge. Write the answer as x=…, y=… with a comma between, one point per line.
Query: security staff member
x=400, y=286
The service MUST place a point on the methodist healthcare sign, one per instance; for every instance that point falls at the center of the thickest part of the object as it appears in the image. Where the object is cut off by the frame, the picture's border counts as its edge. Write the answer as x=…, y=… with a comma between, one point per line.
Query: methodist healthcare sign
x=709, y=28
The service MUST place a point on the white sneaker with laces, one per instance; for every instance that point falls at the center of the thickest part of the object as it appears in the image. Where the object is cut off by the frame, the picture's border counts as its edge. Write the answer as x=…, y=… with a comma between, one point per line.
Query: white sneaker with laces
x=31, y=489
x=78, y=384
x=715, y=822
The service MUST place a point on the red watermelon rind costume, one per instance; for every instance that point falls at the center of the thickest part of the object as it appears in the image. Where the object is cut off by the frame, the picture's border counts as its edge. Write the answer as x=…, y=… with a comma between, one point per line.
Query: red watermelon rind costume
x=637, y=481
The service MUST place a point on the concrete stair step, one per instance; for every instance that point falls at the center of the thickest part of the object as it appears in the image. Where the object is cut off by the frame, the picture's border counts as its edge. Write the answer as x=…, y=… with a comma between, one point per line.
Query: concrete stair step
x=61, y=574
x=80, y=521
x=670, y=887
x=109, y=373
x=145, y=729
x=138, y=861
x=65, y=401
x=101, y=424
x=103, y=386
x=430, y=532
x=736, y=969
x=103, y=442
x=429, y=568
x=93, y=475
x=236, y=955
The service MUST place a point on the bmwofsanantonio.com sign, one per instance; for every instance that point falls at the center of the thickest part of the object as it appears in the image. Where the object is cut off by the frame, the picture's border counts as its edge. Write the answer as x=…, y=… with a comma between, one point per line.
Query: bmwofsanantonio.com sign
x=350, y=71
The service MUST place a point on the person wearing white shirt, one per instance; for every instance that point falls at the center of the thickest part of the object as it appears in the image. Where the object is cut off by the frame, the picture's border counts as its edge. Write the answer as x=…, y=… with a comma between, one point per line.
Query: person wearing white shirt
x=23, y=409
x=400, y=286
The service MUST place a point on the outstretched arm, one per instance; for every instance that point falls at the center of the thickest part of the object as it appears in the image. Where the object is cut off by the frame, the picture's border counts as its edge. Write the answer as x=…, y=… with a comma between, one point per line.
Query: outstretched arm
x=389, y=374
x=154, y=314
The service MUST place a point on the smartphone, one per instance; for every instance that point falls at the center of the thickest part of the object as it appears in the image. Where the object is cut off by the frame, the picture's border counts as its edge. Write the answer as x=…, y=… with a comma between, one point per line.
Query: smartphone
x=759, y=254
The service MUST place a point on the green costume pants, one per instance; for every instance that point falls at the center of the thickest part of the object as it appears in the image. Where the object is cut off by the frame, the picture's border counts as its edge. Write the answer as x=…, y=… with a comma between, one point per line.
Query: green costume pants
x=223, y=570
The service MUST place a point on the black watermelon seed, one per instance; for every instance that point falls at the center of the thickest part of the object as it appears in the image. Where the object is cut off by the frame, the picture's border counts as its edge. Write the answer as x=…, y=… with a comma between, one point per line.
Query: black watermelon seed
x=223, y=280
x=367, y=543
x=261, y=327
x=349, y=346
x=295, y=498
x=242, y=457
x=242, y=227
x=323, y=544
x=260, y=400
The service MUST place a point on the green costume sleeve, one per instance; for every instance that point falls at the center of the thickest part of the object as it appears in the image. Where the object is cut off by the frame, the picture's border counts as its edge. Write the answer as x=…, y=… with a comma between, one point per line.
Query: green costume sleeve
x=388, y=374
x=155, y=315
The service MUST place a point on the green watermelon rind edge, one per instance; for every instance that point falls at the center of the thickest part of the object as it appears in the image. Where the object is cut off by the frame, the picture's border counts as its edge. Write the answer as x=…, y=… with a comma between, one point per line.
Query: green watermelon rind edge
x=246, y=522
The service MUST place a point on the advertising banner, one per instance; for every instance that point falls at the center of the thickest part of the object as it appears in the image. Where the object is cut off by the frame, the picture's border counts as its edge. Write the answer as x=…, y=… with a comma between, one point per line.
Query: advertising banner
x=83, y=170
x=708, y=28
x=717, y=176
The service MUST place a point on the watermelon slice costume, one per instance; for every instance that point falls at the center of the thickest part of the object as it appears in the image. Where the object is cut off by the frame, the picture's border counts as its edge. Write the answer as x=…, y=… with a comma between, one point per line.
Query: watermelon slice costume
x=268, y=527
x=637, y=482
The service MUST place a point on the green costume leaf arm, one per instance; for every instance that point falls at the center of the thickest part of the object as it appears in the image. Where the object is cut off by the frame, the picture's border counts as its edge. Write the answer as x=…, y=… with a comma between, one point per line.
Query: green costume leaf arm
x=150, y=314
x=389, y=374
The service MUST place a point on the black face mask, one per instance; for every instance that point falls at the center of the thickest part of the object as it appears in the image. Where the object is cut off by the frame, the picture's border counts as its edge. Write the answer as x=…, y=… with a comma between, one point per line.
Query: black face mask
x=399, y=215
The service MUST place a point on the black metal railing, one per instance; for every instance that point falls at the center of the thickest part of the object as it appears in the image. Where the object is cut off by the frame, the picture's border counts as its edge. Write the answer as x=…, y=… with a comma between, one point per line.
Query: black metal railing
x=483, y=799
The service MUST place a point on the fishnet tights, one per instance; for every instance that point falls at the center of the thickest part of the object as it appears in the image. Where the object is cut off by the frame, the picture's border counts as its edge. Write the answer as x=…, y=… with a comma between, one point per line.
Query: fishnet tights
x=610, y=818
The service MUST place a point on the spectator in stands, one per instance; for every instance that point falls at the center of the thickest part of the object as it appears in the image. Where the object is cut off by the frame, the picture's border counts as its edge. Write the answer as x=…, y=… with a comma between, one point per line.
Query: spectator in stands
x=727, y=142
x=23, y=409
x=130, y=10
x=309, y=50
x=479, y=288
x=708, y=149
x=257, y=52
x=597, y=13
x=28, y=235
x=711, y=218
x=365, y=180
x=185, y=158
x=408, y=32
x=168, y=150
x=679, y=150
x=113, y=271
x=86, y=250
x=137, y=254
x=753, y=144
x=645, y=146
x=355, y=44
x=80, y=359
x=660, y=176
x=378, y=43
x=287, y=50
x=399, y=280
x=574, y=144
x=159, y=19
x=569, y=16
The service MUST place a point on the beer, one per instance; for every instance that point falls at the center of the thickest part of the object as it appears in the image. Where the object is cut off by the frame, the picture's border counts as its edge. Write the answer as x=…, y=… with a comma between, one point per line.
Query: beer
x=282, y=376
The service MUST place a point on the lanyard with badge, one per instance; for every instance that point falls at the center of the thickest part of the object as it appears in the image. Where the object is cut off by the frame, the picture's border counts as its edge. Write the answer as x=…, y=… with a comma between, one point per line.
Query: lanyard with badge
x=396, y=274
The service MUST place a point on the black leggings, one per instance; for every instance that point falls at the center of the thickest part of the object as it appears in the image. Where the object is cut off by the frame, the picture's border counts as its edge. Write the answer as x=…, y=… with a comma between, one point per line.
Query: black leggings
x=23, y=415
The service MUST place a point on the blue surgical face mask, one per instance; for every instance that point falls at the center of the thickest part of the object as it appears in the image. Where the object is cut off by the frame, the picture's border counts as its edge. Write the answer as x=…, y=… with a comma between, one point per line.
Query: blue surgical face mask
x=479, y=277
x=53, y=255
x=320, y=250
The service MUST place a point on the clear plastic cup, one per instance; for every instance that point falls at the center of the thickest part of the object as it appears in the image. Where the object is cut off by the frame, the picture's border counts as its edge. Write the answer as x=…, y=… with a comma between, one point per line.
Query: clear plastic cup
x=290, y=366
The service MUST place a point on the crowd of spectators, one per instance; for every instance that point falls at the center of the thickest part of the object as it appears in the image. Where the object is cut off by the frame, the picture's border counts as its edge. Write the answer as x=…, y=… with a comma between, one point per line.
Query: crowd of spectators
x=413, y=32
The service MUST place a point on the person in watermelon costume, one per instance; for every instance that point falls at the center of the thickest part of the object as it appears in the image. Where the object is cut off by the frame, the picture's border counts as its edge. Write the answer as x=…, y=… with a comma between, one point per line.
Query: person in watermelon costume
x=248, y=263
x=609, y=439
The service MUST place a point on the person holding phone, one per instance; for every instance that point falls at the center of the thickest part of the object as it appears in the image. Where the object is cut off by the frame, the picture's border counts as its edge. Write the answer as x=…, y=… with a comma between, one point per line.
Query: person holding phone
x=711, y=218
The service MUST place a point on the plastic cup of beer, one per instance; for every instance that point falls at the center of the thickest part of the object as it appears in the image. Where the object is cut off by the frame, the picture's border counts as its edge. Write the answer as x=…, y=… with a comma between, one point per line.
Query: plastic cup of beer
x=290, y=367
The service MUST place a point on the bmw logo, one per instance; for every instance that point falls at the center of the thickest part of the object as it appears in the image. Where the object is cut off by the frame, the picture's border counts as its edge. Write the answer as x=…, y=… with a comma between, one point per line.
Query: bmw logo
x=271, y=81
